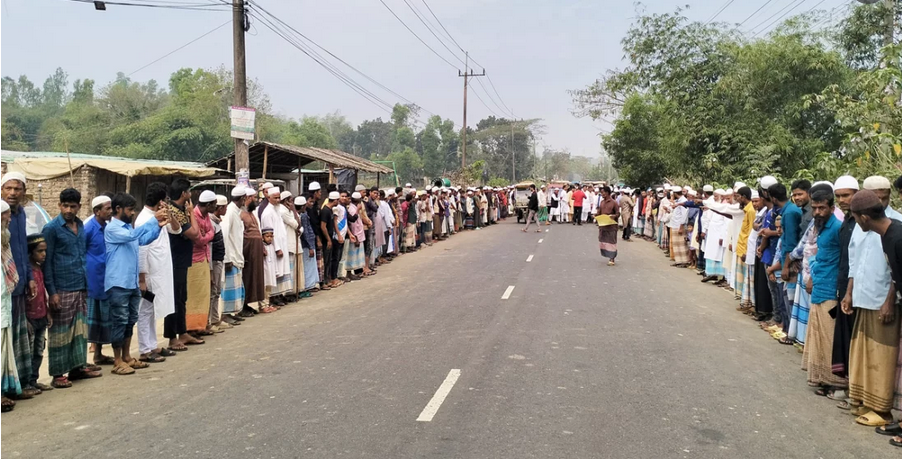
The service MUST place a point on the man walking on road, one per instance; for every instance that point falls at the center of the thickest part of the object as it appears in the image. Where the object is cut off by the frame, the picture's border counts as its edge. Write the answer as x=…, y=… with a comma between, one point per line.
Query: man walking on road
x=532, y=209
x=608, y=214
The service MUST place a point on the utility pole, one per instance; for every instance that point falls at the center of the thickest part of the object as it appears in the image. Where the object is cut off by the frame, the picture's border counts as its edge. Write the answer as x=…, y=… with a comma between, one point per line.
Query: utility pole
x=239, y=86
x=513, y=159
x=467, y=74
x=889, y=23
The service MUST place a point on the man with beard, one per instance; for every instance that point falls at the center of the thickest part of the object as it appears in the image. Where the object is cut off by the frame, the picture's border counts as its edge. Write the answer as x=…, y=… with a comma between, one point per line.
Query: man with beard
x=182, y=249
x=252, y=250
x=155, y=277
x=875, y=335
x=268, y=216
x=233, y=239
x=817, y=357
x=98, y=307
x=121, y=279
x=844, y=189
x=66, y=282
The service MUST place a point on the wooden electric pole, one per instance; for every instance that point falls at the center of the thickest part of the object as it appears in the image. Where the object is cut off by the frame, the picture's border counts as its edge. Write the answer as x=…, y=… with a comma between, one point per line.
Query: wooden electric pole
x=467, y=74
x=239, y=87
x=513, y=157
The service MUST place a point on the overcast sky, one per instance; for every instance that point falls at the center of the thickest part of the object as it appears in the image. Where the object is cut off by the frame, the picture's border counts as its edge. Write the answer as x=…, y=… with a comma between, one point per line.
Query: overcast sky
x=535, y=51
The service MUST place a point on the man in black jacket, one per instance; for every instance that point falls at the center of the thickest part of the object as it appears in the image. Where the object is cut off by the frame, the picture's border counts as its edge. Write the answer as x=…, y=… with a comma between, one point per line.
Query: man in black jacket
x=532, y=209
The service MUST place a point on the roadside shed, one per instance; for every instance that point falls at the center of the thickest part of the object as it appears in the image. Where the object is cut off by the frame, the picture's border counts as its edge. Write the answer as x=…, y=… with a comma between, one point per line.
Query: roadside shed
x=48, y=173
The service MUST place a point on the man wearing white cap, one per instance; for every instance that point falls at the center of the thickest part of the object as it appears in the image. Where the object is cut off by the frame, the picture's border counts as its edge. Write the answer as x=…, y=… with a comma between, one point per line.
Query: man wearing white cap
x=327, y=230
x=217, y=267
x=307, y=250
x=197, y=305
x=679, y=249
x=845, y=188
x=252, y=274
x=98, y=307
x=268, y=215
x=316, y=201
x=232, y=294
x=292, y=232
x=12, y=190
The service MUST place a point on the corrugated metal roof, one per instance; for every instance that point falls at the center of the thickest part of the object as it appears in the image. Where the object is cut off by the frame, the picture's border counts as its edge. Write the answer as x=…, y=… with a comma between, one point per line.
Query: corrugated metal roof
x=10, y=156
x=288, y=158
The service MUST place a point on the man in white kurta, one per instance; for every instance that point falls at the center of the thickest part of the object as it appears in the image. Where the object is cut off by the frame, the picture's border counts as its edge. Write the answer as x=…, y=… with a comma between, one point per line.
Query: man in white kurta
x=291, y=225
x=233, y=238
x=155, y=275
x=268, y=217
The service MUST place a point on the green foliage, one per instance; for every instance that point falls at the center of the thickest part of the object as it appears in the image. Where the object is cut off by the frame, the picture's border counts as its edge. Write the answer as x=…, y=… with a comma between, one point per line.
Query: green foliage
x=498, y=182
x=408, y=164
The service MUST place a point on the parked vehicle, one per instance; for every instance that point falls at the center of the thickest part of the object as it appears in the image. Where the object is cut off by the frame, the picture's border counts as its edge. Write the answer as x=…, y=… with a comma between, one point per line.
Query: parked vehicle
x=521, y=199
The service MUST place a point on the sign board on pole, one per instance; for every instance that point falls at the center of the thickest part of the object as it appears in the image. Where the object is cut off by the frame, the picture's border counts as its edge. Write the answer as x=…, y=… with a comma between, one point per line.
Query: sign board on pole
x=243, y=119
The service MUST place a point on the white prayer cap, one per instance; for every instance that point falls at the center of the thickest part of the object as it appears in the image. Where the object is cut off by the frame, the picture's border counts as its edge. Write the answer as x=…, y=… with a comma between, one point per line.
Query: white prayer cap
x=313, y=186
x=543, y=186
x=206, y=196
x=334, y=195
x=300, y=201
x=274, y=191
x=755, y=194
x=221, y=200
x=99, y=201
x=359, y=188
x=768, y=181
x=285, y=195
x=267, y=185
x=470, y=192
x=249, y=192
x=4, y=207
x=718, y=191
x=823, y=182
x=728, y=192
x=692, y=193
x=13, y=176
x=876, y=182
x=846, y=182
x=676, y=189
x=421, y=193
x=659, y=189
x=390, y=193
x=738, y=185
x=428, y=187
x=413, y=190
x=355, y=195
x=238, y=191
x=708, y=189
x=408, y=185
x=687, y=188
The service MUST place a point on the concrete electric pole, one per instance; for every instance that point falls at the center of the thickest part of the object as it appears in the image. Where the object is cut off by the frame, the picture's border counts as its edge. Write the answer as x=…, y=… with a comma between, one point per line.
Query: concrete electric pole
x=467, y=74
x=239, y=89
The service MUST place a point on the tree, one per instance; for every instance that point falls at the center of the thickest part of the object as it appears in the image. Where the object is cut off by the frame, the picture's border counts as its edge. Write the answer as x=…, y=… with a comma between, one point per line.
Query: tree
x=408, y=165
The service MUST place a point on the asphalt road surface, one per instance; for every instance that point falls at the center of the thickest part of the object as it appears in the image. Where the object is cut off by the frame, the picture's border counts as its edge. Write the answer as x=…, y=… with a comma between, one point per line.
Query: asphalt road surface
x=580, y=360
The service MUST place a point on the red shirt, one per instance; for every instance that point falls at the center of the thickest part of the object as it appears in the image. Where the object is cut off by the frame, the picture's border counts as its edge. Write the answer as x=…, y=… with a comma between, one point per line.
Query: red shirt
x=578, y=197
x=37, y=307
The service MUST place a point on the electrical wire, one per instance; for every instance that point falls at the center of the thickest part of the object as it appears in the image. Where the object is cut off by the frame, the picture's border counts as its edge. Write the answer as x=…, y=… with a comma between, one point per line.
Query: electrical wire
x=476, y=93
x=180, y=47
x=490, y=96
x=178, y=6
x=415, y=34
x=793, y=3
x=443, y=27
x=756, y=12
x=767, y=27
x=429, y=28
x=256, y=6
x=730, y=2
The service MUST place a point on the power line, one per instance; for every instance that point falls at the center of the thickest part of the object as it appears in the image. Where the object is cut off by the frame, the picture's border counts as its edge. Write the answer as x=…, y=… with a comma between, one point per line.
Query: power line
x=158, y=4
x=415, y=34
x=180, y=47
x=756, y=12
x=256, y=6
x=476, y=93
x=792, y=3
x=429, y=28
x=443, y=26
x=719, y=11
x=490, y=96
x=767, y=27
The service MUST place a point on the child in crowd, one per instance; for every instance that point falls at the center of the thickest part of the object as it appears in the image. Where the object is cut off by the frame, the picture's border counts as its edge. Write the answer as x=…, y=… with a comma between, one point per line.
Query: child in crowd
x=269, y=261
x=39, y=320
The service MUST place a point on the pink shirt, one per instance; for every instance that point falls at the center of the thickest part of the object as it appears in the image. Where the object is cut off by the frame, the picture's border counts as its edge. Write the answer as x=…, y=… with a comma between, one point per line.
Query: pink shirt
x=201, y=251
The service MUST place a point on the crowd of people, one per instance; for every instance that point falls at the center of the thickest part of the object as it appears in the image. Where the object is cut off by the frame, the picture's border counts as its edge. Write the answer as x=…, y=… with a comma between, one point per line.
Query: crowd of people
x=200, y=262
x=818, y=266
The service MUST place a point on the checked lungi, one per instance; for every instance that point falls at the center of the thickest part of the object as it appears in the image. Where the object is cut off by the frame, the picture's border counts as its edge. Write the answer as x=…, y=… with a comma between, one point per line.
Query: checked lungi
x=67, y=343
x=874, y=352
x=99, y=321
x=232, y=296
x=679, y=247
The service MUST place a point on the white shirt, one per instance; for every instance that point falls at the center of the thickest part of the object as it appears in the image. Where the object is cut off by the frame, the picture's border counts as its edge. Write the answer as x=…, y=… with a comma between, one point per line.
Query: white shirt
x=233, y=236
x=155, y=262
x=270, y=219
x=869, y=268
x=679, y=216
x=291, y=225
x=542, y=199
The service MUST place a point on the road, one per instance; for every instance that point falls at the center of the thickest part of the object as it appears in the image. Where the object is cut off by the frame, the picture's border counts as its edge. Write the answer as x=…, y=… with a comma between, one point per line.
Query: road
x=581, y=361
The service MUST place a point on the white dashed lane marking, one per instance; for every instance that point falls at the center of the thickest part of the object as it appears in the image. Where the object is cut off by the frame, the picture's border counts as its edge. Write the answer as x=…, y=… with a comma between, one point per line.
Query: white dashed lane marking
x=436, y=402
x=507, y=293
x=529, y=259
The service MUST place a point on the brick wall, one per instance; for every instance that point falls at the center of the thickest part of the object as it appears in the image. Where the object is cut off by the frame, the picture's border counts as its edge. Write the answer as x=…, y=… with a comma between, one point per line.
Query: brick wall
x=47, y=192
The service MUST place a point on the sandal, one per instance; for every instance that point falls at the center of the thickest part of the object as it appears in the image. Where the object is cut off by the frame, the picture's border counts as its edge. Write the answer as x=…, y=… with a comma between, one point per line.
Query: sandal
x=105, y=360
x=61, y=382
x=822, y=391
x=42, y=387
x=90, y=367
x=77, y=374
x=896, y=443
x=153, y=357
x=858, y=410
x=893, y=429
x=177, y=348
x=122, y=370
x=872, y=419
x=837, y=395
x=137, y=364
x=8, y=405
x=786, y=340
x=267, y=310
x=203, y=333
x=164, y=352
x=195, y=342
x=844, y=405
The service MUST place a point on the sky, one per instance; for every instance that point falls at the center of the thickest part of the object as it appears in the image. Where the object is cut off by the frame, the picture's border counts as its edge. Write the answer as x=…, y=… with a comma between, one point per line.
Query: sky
x=534, y=51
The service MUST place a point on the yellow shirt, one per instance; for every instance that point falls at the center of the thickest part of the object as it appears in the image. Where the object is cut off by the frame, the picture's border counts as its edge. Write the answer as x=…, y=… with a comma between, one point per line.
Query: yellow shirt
x=747, y=221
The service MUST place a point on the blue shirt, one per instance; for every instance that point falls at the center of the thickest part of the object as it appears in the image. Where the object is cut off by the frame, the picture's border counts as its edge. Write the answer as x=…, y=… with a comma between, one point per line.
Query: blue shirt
x=122, y=243
x=64, y=269
x=18, y=242
x=96, y=255
x=770, y=222
x=792, y=219
x=825, y=265
x=869, y=267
